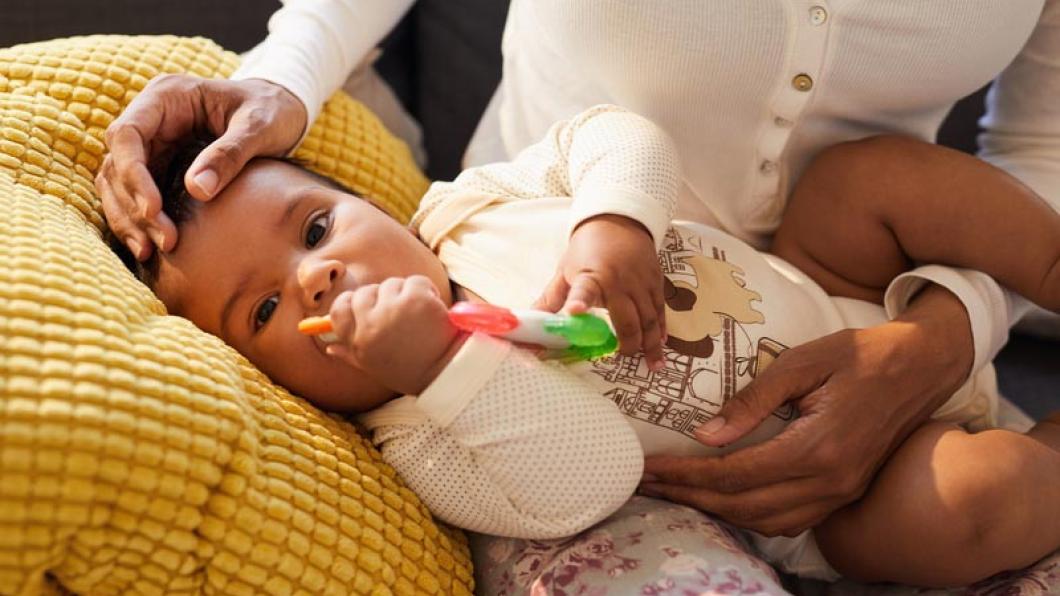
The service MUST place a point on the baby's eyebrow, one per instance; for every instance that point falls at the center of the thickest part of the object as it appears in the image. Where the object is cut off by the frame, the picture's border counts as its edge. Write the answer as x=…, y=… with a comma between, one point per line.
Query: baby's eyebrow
x=233, y=298
x=288, y=210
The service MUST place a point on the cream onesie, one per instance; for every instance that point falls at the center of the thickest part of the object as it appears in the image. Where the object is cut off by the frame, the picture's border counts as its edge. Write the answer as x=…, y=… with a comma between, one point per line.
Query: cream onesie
x=503, y=443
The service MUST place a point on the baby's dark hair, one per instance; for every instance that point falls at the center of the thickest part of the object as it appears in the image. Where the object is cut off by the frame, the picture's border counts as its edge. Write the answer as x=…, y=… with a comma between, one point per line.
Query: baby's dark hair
x=179, y=205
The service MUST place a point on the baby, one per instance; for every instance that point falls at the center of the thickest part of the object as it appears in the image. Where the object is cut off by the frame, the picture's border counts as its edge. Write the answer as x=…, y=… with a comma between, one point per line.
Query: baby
x=495, y=440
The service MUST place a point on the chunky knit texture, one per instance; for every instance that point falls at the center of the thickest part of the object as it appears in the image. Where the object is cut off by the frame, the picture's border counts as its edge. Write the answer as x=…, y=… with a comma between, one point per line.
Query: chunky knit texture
x=137, y=453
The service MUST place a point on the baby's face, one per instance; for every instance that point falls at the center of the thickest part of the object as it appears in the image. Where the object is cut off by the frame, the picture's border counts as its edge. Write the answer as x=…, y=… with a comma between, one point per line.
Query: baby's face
x=277, y=246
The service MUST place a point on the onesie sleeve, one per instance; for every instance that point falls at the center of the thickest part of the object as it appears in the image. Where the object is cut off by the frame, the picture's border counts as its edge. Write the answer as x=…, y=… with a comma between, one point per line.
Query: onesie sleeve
x=511, y=446
x=609, y=160
x=313, y=45
x=991, y=308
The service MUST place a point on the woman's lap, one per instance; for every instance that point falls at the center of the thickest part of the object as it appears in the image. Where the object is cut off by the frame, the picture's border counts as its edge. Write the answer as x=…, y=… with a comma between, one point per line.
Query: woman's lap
x=654, y=548
x=648, y=547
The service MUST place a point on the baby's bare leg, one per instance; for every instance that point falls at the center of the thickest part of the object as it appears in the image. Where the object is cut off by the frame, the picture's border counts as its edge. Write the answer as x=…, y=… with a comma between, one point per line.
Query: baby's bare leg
x=866, y=211
x=950, y=508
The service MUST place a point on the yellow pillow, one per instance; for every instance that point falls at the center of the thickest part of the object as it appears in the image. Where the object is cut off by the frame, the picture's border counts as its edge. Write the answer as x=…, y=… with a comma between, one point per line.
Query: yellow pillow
x=138, y=453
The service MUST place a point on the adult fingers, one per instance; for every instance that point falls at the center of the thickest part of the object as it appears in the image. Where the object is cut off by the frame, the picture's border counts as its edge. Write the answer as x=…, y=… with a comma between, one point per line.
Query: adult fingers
x=117, y=207
x=763, y=464
x=783, y=508
x=787, y=379
x=555, y=294
x=222, y=160
x=147, y=212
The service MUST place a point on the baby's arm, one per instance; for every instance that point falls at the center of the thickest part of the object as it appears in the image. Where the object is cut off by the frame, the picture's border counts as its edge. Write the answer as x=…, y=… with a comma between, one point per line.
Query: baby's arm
x=609, y=160
x=622, y=173
x=866, y=211
x=504, y=444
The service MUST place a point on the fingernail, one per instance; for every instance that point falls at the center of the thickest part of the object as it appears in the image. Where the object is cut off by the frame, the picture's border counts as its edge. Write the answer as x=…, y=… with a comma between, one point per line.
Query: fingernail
x=710, y=427
x=649, y=478
x=156, y=237
x=207, y=181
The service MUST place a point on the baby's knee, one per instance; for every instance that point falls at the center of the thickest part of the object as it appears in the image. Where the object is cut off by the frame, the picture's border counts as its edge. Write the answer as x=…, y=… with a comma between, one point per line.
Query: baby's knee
x=992, y=485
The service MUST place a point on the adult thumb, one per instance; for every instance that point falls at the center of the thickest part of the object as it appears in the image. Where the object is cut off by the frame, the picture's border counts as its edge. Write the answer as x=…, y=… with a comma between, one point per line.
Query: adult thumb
x=754, y=403
x=221, y=161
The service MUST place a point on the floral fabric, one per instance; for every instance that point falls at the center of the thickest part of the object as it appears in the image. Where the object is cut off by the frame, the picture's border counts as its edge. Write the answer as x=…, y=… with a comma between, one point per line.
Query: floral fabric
x=656, y=548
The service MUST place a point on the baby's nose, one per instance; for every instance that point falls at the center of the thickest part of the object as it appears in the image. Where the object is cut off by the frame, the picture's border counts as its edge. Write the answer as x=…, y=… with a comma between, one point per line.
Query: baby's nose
x=316, y=279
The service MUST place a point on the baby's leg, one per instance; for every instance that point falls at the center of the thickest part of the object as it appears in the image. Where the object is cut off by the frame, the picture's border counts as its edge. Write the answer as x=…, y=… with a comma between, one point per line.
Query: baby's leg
x=950, y=508
x=866, y=211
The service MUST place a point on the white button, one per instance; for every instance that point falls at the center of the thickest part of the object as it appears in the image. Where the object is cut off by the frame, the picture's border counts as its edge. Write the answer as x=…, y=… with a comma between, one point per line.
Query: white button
x=818, y=15
x=767, y=167
x=782, y=122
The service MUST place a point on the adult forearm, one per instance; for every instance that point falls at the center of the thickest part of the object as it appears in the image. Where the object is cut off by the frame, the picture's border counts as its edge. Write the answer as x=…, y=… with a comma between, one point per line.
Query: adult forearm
x=314, y=45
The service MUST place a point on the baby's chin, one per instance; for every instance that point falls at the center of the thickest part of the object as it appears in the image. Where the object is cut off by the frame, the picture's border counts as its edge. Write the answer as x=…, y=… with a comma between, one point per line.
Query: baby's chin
x=351, y=393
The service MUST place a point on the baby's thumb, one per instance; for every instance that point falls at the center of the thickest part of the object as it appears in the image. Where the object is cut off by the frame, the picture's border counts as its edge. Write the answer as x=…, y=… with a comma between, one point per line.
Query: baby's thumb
x=554, y=296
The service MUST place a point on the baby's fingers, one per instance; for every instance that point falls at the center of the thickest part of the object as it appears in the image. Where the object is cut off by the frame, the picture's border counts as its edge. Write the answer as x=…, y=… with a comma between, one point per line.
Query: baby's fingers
x=651, y=332
x=343, y=322
x=555, y=294
x=626, y=320
x=585, y=293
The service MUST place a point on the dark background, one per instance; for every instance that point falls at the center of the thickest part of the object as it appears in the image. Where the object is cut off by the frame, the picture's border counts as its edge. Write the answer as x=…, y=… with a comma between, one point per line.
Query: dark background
x=443, y=61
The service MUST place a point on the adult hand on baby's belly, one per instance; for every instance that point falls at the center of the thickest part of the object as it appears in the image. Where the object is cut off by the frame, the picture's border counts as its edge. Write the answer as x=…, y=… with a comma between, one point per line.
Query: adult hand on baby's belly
x=859, y=392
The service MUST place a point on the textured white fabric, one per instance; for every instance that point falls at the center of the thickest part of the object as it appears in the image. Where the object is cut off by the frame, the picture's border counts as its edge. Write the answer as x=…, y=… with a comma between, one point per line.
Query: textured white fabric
x=504, y=444
x=314, y=45
x=537, y=453
x=719, y=77
x=606, y=158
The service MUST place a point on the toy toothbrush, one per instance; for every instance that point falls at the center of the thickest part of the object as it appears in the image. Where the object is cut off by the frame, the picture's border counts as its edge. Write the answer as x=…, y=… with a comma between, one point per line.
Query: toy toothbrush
x=581, y=336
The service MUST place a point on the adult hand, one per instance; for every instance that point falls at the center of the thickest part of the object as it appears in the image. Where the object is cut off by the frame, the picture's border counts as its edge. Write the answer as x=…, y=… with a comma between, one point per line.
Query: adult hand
x=860, y=393
x=248, y=118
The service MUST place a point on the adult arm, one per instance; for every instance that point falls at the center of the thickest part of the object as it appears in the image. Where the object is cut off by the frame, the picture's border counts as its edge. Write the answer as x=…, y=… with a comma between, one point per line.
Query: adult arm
x=312, y=46
x=1021, y=129
x=860, y=392
x=504, y=444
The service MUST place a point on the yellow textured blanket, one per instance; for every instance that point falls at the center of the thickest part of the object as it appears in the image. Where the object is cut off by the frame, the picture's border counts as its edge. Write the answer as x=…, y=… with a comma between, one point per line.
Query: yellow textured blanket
x=136, y=452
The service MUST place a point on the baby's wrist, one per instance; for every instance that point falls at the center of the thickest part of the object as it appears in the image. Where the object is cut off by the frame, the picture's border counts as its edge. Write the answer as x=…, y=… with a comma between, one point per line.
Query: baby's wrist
x=612, y=222
x=431, y=373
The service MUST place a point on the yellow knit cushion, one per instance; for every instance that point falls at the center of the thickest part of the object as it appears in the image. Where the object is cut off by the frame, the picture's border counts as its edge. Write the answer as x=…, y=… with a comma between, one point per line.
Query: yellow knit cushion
x=138, y=453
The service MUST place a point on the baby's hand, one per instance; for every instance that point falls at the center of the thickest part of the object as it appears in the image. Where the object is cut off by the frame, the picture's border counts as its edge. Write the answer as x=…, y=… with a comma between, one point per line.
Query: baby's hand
x=397, y=331
x=611, y=261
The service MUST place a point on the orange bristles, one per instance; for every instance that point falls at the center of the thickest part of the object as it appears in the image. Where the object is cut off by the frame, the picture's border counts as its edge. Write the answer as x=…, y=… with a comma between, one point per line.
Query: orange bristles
x=315, y=325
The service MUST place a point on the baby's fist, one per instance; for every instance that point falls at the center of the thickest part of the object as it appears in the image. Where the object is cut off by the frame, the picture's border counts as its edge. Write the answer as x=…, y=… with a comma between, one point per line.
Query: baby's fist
x=397, y=331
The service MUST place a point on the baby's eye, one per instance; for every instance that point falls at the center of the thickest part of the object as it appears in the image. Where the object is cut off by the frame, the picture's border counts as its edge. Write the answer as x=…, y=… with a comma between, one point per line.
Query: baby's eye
x=264, y=311
x=318, y=227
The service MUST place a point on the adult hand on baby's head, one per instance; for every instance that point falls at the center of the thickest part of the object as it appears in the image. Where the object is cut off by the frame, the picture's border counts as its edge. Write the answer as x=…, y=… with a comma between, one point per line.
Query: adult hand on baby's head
x=249, y=118
x=611, y=261
x=859, y=392
x=398, y=332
